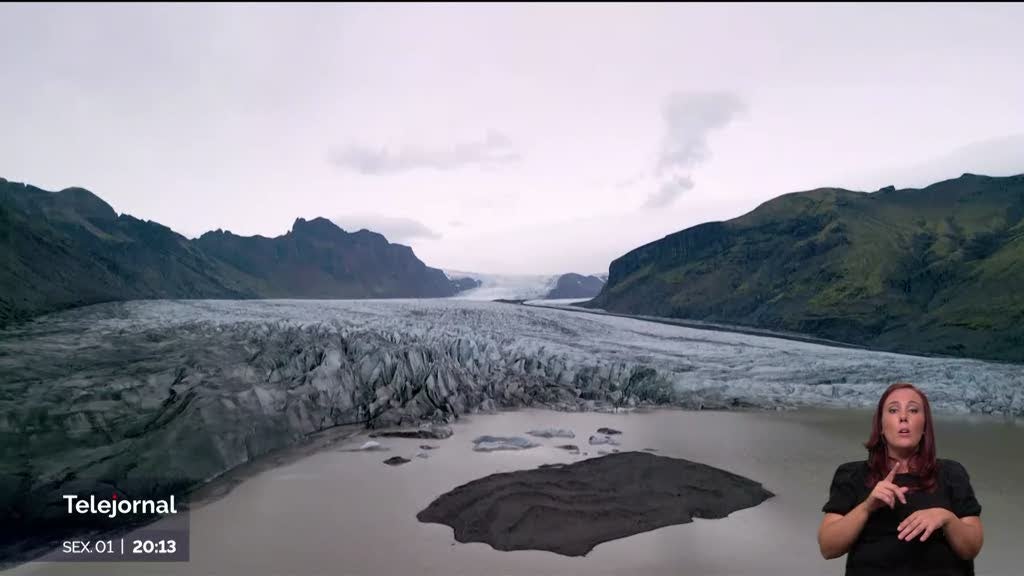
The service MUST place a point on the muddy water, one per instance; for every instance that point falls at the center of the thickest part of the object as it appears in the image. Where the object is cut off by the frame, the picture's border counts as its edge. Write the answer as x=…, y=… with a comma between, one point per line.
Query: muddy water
x=339, y=512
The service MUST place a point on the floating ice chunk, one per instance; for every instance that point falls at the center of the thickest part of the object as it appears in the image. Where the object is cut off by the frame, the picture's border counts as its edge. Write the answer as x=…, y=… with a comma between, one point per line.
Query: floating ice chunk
x=598, y=439
x=552, y=433
x=492, y=443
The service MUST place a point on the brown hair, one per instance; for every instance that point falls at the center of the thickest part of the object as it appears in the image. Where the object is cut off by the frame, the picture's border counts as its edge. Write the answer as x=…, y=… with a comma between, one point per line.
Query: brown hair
x=922, y=464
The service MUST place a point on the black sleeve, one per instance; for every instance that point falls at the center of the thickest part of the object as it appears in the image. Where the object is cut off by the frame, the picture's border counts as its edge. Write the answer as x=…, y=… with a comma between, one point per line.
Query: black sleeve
x=961, y=494
x=843, y=494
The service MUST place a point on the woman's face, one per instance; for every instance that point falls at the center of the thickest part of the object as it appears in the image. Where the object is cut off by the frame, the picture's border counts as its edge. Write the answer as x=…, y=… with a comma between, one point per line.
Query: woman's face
x=903, y=419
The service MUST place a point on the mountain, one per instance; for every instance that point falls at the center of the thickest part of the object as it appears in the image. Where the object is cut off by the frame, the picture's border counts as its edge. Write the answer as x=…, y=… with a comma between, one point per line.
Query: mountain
x=938, y=270
x=69, y=248
x=464, y=283
x=317, y=259
x=576, y=286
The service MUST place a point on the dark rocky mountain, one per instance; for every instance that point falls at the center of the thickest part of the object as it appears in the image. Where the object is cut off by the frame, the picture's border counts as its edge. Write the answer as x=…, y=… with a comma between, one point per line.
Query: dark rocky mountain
x=576, y=286
x=466, y=283
x=317, y=259
x=933, y=270
x=69, y=248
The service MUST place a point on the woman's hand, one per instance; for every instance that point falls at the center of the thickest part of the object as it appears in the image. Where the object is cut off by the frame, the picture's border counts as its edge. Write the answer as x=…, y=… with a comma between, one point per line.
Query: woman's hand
x=927, y=521
x=886, y=493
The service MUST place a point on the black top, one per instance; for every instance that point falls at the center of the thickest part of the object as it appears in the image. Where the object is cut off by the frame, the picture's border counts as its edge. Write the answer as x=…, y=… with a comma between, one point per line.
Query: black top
x=877, y=550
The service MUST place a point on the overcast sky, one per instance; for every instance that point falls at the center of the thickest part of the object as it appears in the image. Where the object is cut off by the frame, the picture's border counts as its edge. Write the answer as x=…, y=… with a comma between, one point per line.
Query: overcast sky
x=501, y=138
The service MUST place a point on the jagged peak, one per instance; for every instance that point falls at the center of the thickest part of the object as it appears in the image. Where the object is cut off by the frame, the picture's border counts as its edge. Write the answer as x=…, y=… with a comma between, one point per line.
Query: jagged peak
x=318, y=225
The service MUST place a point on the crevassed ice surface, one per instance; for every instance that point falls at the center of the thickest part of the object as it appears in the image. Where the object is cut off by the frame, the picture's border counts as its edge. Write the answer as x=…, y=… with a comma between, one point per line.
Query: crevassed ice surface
x=698, y=365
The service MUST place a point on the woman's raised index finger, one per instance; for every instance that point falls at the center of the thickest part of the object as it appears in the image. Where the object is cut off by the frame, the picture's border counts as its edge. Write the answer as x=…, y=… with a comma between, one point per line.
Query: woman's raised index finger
x=892, y=474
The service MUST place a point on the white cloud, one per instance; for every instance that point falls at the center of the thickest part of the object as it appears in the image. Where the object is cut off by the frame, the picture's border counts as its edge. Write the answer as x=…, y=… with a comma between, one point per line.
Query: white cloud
x=689, y=119
x=395, y=229
x=492, y=150
x=670, y=189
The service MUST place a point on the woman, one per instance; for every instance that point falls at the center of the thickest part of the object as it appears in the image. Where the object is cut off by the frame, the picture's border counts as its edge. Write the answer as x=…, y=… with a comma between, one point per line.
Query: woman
x=902, y=511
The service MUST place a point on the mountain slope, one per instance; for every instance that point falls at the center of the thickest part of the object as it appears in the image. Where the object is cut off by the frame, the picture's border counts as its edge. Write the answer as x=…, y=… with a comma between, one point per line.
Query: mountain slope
x=69, y=248
x=317, y=259
x=935, y=270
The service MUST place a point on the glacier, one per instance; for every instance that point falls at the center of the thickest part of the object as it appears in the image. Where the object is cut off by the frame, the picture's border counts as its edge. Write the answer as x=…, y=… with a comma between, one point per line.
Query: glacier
x=167, y=394
x=505, y=286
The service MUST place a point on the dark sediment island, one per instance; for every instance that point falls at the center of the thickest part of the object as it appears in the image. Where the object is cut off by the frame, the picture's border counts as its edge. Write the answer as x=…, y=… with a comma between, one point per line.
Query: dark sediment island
x=571, y=508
